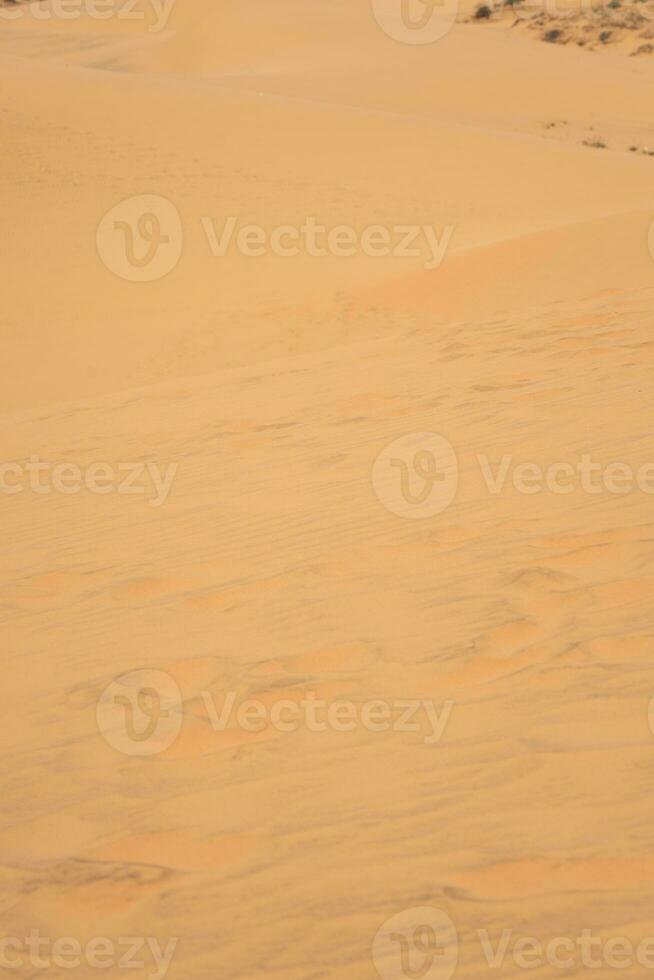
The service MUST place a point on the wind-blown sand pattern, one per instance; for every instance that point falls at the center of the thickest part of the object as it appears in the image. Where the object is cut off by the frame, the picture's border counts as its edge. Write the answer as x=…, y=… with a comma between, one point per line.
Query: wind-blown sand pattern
x=287, y=534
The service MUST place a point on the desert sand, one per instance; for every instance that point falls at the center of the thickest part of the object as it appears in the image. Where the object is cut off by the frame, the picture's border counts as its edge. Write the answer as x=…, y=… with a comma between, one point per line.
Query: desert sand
x=286, y=398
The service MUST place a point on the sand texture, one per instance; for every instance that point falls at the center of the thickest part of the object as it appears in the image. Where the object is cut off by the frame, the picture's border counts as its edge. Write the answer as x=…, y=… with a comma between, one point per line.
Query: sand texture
x=329, y=498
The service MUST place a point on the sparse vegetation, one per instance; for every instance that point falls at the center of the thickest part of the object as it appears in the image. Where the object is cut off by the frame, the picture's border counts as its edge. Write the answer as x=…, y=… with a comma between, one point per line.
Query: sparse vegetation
x=583, y=24
x=553, y=36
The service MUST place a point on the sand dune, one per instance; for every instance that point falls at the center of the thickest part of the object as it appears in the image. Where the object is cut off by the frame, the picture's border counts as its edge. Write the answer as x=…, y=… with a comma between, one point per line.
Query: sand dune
x=320, y=477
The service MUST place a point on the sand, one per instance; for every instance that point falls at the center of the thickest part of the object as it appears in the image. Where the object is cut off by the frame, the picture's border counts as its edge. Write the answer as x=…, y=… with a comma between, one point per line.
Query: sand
x=300, y=478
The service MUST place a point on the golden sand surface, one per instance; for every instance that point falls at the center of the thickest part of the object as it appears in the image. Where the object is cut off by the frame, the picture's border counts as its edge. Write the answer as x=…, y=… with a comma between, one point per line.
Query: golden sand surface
x=327, y=487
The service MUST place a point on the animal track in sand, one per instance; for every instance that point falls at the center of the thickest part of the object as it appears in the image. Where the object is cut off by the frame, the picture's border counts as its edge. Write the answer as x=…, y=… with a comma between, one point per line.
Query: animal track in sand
x=202, y=734
x=621, y=648
x=597, y=560
x=542, y=876
x=86, y=889
x=484, y=669
x=541, y=578
x=622, y=592
x=47, y=586
x=341, y=659
x=511, y=636
x=198, y=738
x=145, y=588
x=547, y=592
x=231, y=596
x=179, y=851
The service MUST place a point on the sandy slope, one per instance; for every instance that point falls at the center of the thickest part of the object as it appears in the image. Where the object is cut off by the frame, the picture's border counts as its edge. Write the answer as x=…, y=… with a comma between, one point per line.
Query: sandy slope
x=272, y=568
